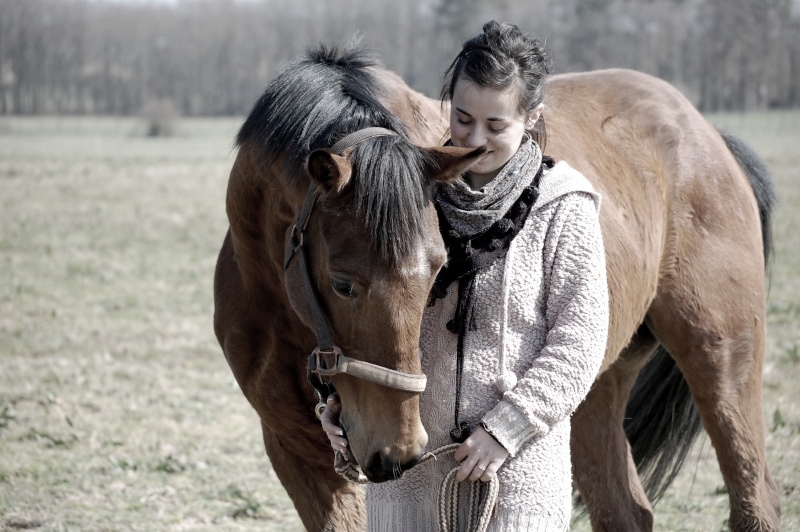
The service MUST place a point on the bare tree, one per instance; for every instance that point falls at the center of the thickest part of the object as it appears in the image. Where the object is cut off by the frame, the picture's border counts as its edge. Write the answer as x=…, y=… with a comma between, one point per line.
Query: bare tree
x=212, y=57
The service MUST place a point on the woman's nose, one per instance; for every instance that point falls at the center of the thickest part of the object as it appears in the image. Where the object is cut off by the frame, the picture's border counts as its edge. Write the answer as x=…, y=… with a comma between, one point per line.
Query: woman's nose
x=476, y=138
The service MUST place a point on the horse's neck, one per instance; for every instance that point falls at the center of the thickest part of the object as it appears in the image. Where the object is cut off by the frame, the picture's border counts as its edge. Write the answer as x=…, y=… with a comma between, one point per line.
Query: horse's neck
x=260, y=208
x=426, y=119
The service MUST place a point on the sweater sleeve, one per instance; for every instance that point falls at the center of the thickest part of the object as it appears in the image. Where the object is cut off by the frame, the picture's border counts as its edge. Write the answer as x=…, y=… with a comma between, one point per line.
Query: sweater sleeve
x=577, y=328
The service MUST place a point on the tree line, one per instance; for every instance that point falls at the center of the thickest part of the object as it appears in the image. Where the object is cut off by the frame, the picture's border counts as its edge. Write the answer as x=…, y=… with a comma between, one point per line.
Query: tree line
x=213, y=57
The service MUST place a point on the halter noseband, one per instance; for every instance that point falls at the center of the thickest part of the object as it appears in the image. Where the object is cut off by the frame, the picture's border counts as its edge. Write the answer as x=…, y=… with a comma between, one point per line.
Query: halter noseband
x=318, y=370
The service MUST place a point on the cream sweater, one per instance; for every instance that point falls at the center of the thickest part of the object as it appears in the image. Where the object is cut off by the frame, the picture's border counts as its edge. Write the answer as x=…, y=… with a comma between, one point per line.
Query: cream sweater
x=552, y=329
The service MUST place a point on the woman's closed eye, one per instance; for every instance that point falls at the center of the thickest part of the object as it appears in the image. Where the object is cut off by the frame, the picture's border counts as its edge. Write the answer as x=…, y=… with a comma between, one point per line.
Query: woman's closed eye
x=495, y=130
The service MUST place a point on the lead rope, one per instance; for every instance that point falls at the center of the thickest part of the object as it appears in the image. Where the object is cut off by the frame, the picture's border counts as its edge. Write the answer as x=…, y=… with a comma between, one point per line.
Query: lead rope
x=482, y=495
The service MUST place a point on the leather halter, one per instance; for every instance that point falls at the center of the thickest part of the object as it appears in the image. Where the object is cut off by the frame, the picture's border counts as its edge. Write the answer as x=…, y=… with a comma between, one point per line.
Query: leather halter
x=318, y=370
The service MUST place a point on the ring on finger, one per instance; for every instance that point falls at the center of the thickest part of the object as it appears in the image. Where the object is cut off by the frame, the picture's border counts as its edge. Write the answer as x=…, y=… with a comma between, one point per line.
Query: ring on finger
x=482, y=468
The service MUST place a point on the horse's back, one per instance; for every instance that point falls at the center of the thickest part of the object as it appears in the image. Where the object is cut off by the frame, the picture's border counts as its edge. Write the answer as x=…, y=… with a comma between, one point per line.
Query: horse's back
x=673, y=195
x=666, y=177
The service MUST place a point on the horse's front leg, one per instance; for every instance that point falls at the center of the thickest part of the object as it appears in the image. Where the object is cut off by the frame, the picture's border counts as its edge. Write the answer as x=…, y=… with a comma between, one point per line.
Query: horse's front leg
x=603, y=468
x=324, y=500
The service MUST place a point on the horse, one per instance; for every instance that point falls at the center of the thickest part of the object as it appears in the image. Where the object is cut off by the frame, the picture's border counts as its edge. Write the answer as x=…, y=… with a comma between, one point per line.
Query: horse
x=333, y=245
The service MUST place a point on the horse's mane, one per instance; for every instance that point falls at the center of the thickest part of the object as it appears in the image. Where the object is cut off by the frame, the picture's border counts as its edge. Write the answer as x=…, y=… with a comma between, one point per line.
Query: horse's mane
x=318, y=100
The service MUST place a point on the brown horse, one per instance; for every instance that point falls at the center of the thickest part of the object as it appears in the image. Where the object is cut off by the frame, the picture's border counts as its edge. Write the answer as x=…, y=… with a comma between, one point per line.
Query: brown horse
x=685, y=239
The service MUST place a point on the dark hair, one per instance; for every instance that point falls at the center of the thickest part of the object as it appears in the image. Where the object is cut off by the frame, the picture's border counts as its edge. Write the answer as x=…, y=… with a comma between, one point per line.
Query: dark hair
x=501, y=57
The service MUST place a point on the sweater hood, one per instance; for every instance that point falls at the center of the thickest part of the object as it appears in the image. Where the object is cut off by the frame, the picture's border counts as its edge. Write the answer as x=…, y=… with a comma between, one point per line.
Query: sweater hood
x=560, y=180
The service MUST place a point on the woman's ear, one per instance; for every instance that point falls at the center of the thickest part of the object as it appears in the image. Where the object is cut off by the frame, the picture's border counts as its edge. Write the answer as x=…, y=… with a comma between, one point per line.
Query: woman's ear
x=330, y=172
x=448, y=163
x=534, y=117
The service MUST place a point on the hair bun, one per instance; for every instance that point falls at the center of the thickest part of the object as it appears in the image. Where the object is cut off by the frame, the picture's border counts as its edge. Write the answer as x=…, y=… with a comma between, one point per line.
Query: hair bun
x=500, y=31
x=491, y=25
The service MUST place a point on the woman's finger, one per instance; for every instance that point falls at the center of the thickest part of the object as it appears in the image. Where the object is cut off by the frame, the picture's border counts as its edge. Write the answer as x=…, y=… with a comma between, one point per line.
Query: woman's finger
x=331, y=426
x=342, y=448
x=491, y=470
x=467, y=468
x=464, y=451
x=337, y=442
x=478, y=472
x=330, y=416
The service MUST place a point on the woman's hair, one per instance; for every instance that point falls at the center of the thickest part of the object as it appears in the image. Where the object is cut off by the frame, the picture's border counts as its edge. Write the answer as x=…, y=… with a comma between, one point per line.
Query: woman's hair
x=501, y=57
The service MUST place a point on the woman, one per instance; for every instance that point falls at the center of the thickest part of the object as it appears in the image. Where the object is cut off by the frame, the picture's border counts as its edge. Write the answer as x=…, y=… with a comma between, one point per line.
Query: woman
x=516, y=329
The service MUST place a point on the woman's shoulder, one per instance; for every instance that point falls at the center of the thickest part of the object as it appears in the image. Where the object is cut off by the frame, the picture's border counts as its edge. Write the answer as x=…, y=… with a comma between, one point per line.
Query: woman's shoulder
x=562, y=181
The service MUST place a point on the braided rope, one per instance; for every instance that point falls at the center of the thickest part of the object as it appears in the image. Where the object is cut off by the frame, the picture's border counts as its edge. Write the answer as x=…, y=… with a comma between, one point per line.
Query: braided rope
x=482, y=495
x=348, y=470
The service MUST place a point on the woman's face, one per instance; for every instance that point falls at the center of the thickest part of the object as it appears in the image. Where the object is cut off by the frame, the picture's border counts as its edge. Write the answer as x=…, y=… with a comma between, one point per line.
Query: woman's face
x=482, y=116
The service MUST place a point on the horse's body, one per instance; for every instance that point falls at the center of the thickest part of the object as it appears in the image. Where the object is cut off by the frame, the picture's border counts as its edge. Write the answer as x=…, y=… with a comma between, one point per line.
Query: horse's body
x=685, y=259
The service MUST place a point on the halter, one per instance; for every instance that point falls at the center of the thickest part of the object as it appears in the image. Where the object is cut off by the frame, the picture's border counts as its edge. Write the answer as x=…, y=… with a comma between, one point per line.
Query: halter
x=318, y=370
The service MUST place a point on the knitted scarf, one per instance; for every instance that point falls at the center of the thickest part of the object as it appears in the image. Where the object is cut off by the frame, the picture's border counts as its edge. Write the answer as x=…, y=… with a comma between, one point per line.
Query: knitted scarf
x=471, y=212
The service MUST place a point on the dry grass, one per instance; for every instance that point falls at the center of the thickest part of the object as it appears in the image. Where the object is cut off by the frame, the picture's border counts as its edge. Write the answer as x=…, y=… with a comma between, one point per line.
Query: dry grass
x=117, y=409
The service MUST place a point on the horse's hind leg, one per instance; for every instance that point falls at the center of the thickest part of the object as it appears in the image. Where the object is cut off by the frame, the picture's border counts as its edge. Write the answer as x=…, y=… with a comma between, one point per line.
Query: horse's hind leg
x=603, y=468
x=710, y=314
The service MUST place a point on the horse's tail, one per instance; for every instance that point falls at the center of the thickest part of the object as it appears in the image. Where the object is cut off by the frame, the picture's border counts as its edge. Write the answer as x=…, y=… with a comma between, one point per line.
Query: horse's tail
x=661, y=421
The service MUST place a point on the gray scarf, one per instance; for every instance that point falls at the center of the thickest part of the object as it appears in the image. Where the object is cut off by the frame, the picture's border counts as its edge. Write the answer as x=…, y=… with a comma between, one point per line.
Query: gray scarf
x=472, y=212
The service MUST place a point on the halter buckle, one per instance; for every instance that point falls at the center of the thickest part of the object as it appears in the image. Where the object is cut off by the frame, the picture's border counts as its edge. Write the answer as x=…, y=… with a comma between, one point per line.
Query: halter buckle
x=318, y=364
x=297, y=236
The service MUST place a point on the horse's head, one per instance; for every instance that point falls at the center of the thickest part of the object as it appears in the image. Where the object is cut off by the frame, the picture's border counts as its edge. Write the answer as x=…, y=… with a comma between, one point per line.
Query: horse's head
x=374, y=249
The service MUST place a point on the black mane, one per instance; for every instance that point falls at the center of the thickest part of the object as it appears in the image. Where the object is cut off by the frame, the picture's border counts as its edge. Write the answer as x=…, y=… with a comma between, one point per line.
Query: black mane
x=320, y=99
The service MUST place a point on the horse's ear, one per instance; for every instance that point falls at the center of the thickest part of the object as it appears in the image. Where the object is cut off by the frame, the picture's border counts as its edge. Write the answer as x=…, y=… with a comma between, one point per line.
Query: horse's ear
x=331, y=172
x=447, y=163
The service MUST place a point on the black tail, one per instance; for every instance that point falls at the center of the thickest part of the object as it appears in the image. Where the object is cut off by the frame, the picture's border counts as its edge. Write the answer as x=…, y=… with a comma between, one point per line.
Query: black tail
x=661, y=421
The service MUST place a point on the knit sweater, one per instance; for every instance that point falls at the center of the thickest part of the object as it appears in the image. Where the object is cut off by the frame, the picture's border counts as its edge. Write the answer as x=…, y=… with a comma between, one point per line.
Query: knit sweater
x=542, y=313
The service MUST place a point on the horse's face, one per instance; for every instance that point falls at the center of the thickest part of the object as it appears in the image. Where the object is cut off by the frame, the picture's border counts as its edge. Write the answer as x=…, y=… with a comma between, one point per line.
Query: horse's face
x=374, y=308
x=375, y=312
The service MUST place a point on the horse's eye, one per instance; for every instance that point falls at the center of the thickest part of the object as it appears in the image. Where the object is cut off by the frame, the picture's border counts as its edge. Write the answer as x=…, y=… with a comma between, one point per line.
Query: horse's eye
x=343, y=287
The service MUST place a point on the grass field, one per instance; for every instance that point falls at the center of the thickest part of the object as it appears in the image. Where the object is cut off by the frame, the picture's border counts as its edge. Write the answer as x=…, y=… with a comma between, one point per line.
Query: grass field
x=117, y=409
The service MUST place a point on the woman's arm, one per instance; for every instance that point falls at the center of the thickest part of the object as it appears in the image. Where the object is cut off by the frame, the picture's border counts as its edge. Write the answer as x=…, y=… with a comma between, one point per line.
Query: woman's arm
x=577, y=321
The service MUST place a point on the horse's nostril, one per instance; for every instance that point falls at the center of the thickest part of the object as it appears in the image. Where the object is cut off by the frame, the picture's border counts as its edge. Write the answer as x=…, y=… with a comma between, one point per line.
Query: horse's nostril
x=382, y=467
x=376, y=468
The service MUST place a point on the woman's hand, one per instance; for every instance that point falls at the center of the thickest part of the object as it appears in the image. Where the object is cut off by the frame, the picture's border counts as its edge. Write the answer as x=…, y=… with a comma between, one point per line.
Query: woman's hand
x=330, y=424
x=480, y=456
